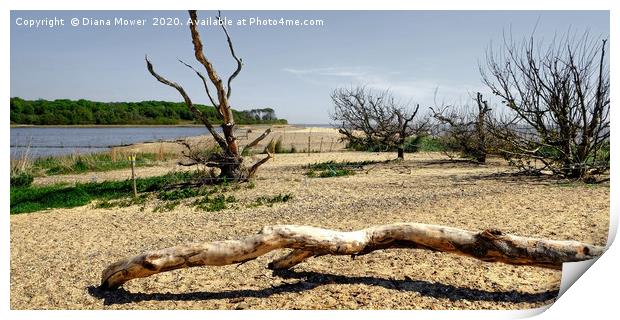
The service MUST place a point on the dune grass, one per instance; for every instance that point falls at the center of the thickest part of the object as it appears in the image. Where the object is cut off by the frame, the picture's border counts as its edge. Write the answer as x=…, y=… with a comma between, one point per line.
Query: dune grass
x=95, y=162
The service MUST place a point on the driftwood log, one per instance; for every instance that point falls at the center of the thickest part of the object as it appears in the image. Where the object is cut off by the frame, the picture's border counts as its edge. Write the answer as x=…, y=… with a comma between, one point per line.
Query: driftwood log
x=306, y=242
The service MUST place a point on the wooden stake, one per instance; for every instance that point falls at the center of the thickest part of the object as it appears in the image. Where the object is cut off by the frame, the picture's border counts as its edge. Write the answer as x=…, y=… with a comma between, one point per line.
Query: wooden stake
x=309, y=143
x=132, y=158
x=321, y=146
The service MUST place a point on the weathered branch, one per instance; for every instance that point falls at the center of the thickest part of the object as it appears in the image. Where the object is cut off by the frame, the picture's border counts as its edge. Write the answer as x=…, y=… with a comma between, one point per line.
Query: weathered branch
x=257, y=140
x=204, y=83
x=222, y=96
x=233, y=54
x=259, y=163
x=488, y=245
x=197, y=113
x=210, y=164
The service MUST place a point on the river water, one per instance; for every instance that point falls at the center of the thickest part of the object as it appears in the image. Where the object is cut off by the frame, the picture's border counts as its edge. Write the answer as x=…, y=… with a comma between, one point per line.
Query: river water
x=53, y=141
x=49, y=141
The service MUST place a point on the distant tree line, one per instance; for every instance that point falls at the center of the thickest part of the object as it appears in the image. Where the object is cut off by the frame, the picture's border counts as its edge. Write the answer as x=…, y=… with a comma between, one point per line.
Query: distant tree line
x=85, y=112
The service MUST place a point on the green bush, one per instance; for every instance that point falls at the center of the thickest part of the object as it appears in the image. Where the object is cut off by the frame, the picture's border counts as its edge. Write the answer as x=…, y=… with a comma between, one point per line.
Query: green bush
x=429, y=144
x=22, y=179
x=335, y=169
x=412, y=144
x=369, y=147
x=217, y=203
x=603, y=154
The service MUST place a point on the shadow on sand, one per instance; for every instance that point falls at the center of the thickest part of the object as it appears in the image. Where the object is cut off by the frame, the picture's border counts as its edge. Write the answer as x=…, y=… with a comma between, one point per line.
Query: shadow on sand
x=310, y=280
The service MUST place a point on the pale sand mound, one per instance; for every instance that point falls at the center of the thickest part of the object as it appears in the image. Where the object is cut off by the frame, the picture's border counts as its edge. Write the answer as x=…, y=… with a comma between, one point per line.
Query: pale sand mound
x=57, y=256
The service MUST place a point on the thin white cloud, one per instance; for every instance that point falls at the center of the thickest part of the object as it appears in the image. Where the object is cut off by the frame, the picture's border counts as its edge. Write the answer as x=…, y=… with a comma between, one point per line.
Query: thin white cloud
x=414, y=90
x=329, y=71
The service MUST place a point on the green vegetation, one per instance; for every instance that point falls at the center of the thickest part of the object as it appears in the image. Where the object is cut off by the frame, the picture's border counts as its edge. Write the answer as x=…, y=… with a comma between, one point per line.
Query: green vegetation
x=36, y=198
x=121, y=203
x=216, y=203
x=335, y=169
x=166, y=206
x=93, y=162
x=85, y=112
x=22, y=179
x=421, y=143
x=602, y=155
x=167, y=191
x=330, y=172
x=182, y=193
x=425, y=144
x=209, y=199
x=270, y=201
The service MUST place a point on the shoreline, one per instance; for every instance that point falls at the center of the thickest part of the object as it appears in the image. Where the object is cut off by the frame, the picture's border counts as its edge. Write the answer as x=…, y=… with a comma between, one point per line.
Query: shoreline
x=292, y=135
x=188, y=125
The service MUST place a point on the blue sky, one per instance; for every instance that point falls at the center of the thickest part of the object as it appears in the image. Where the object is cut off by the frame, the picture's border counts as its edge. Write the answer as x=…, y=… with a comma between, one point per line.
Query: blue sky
x=291, y=69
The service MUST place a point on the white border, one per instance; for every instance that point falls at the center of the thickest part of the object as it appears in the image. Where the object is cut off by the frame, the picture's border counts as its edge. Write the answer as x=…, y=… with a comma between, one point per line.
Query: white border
x=594, y=294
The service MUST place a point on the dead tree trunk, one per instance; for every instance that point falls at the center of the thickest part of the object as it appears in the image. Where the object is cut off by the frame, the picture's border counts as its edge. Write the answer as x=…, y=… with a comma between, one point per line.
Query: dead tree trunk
x=488, y=245
x=229, y=160
x=481, y=132
x=463, y=130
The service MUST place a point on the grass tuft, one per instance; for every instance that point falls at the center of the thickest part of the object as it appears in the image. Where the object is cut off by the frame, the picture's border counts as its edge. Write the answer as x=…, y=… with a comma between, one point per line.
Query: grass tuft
x=335, y=169
x=167, y=206
x=270, y=201
x=216, y=203
x=120, y=203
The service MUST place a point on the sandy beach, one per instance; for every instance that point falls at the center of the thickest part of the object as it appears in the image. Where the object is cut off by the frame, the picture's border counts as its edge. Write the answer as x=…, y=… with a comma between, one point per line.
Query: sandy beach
x=57, y=255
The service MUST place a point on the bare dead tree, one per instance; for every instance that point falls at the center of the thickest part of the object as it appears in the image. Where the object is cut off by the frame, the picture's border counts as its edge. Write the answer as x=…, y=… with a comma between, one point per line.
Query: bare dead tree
x=369, y=119
x=558, y=103
x=228, y=160
x=464, y=130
